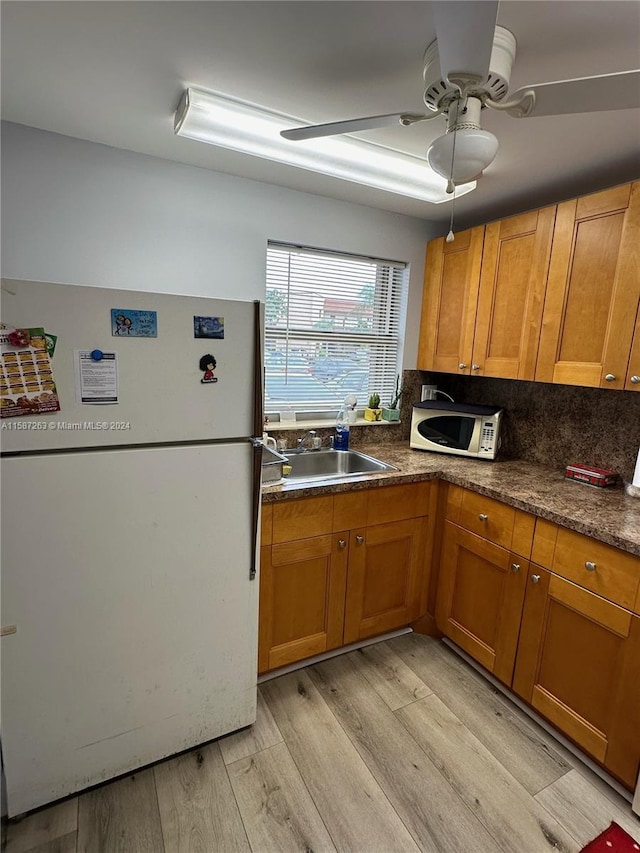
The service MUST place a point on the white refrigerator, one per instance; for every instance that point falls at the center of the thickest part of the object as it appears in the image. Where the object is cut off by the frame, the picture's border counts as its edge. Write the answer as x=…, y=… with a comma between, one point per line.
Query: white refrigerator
x=129, y=600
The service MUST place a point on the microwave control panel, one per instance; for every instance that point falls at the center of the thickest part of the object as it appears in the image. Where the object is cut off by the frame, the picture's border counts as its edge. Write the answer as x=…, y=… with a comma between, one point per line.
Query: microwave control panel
x=488, y=439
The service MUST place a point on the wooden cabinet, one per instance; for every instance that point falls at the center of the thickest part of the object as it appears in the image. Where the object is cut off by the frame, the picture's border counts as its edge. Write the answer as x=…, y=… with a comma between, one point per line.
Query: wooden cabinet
x=483, y=567
x=480, y=595
x=386, y=578
x=483, y=298
x=551, y=295
x=593, y=288
x=550, y=613
x=578, y=664
x=450, y=301
x=341, y=568
x=515, y=262
x=302, y=588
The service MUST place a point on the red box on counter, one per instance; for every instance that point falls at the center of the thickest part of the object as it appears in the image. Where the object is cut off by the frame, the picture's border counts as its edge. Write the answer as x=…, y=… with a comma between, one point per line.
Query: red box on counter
x=591, y=476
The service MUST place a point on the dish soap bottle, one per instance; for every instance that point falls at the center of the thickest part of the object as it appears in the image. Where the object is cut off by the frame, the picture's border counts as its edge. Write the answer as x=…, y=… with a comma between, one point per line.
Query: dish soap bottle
x=341, y=440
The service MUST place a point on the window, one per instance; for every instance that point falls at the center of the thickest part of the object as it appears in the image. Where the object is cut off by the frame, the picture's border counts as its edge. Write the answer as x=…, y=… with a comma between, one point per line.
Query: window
x=332, y=328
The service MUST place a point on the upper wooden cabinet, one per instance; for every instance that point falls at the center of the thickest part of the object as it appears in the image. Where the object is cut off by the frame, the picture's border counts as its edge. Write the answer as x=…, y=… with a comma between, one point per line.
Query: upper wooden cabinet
x=593, y=289
x=515, y=262
x=483, y=298
x=450, y=302
x=551, y=295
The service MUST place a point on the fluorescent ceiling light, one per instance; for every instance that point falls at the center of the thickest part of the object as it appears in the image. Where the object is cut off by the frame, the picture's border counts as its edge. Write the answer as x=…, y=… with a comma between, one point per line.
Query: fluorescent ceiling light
x=223, y=121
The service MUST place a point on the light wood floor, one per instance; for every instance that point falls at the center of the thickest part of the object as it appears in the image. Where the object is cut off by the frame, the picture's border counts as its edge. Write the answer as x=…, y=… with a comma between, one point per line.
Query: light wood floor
x=398, y=747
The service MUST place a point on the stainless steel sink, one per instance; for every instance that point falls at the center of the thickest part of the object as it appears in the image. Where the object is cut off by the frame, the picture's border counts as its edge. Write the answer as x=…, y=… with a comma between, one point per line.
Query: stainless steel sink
x=324, y=464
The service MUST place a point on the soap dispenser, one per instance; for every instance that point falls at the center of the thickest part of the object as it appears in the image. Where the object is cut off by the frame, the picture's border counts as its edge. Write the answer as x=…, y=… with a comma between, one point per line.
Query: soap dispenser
x=341, y=440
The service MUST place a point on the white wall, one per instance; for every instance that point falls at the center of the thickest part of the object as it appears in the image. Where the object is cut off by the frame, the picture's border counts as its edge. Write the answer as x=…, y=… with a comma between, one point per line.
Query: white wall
x=81, y=213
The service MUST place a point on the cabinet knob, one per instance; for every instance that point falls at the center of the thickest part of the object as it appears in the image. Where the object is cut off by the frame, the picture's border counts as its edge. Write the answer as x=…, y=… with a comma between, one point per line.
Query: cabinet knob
x=515, y=567
x=483, y=516
x=342, y=543
x=475, y=367
x=589, y=566
x=610, y=377
x=359, y=539
x=462, y=366
x=535, y=578
x=635, y=380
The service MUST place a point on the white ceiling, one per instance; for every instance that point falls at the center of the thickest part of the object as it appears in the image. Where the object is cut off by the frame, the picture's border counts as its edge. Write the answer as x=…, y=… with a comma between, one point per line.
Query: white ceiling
x=112, y=72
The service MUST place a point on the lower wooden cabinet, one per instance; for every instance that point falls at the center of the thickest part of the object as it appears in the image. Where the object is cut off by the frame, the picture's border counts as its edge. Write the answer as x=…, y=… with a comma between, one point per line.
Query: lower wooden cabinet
x=578, y=664
x=480, y=595
x=567, y=641
x=328, y=590
x=302, y=590
x=384, y=586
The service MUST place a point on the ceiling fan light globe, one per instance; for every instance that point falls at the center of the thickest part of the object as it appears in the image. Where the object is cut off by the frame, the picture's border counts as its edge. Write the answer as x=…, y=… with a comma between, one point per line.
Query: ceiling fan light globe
x=474, y=151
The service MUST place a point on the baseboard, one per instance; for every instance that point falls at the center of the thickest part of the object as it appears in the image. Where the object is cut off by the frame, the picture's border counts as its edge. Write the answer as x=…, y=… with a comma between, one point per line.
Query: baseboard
x=352, y=647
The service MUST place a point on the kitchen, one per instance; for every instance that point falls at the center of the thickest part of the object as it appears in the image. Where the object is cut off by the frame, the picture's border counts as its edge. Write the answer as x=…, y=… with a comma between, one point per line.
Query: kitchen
x=83, y=206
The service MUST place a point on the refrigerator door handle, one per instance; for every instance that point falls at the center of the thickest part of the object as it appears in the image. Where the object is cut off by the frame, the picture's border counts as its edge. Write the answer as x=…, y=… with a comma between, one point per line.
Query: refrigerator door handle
x=258, y=429
x=255, y=503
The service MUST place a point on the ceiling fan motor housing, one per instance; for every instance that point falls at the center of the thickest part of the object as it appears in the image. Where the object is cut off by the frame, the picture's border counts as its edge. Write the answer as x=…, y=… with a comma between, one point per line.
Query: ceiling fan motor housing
x=438, y=92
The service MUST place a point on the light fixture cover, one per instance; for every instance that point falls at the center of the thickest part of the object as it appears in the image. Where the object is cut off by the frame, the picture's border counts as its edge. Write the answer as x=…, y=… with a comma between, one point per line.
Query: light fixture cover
x=475, y=149
x=250, y=129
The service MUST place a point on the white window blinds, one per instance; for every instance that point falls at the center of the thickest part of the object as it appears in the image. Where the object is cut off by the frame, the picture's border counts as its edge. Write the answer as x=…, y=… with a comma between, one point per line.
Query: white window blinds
x=332, y=328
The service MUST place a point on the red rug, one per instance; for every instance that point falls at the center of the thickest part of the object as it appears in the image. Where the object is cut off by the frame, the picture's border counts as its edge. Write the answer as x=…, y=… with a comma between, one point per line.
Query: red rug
x=612, y=840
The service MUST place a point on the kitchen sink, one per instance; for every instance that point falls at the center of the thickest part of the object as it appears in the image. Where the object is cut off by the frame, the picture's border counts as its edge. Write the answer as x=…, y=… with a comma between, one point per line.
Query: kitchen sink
x=323, y=464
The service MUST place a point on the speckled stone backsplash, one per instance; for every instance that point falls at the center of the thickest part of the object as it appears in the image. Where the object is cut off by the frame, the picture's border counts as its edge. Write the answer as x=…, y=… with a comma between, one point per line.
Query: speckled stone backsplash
x=549, y=424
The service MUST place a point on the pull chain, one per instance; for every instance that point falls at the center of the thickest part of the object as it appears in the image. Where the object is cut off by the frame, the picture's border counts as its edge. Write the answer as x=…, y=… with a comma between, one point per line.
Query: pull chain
x=450, y=236
x=451, y=187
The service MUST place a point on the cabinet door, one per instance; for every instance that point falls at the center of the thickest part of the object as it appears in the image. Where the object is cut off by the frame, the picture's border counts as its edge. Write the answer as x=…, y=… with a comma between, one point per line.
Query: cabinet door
x=578, y=664
x=592, y=291
x=480, y=595
x=388, y=566
x=449, y=302
x=633, y=373
x=515, y=264
x=302, y=591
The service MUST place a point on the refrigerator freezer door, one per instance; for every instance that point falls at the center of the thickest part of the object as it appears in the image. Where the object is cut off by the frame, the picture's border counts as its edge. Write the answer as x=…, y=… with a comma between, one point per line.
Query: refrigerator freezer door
x=126, y=574
x=161, y=395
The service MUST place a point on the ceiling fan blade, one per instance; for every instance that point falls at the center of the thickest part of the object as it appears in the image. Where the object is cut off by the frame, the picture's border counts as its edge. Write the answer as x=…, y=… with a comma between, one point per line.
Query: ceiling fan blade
x=619, y=91
x=465, y=31
x=353, y=125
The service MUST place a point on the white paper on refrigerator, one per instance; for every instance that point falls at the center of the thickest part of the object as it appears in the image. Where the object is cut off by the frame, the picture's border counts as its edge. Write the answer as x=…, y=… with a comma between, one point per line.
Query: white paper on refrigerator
x=96, y=379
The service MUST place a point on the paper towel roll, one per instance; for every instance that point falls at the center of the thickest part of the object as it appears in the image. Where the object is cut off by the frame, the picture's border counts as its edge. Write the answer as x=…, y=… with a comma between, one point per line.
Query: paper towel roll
x=636, y=476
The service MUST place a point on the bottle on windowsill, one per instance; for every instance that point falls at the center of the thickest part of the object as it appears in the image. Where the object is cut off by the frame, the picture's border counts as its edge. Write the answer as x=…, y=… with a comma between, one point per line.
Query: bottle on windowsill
x=341, y=439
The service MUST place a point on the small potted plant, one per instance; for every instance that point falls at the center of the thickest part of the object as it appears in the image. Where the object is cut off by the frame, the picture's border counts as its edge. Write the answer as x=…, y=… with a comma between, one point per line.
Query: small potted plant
x=392, y=412
x=373, y=412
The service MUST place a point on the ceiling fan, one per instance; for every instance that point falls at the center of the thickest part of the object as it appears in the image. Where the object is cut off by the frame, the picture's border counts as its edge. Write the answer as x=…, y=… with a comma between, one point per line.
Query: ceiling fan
x=468, y=68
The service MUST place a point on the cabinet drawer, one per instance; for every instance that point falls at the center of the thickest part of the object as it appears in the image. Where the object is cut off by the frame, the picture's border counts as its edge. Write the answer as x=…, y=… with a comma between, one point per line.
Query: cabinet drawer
x=607, y=571
x=393, y=503
x=302, y=519
x=493, y=520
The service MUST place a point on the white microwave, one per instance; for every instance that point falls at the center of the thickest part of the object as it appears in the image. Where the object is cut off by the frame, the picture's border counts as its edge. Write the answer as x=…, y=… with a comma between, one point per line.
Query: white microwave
x=460, y=428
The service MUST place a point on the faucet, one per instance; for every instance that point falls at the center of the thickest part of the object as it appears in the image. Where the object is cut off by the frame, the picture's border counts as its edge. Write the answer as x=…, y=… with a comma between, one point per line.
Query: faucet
x=309, y=438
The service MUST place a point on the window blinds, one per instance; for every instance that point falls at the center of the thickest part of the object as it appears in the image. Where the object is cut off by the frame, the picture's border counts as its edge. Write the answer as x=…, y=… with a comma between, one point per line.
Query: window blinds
x=332, y=328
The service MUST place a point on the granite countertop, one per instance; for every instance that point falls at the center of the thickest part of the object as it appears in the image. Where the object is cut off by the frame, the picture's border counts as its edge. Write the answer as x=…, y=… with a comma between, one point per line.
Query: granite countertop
x=608, y=515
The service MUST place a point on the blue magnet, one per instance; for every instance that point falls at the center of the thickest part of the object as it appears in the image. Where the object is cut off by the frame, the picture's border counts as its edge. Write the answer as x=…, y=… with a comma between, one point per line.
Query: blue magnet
x=97, y=354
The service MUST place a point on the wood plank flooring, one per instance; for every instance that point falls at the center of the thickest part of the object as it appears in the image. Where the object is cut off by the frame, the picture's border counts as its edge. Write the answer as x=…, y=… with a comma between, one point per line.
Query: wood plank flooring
x=398, y=747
